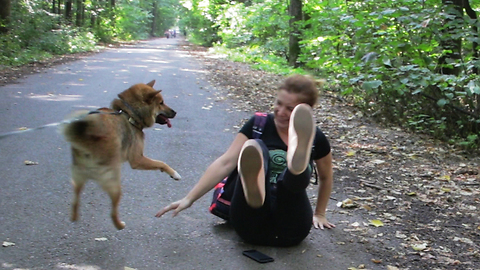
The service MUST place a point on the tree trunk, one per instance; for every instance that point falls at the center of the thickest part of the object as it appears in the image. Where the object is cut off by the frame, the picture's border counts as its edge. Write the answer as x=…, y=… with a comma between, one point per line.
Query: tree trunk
x=453, y=46
x=295, y=11
x=154, y=19
x=112, y=11
x=473, y=15
x=78, y=13
x=68, y=10
x=54, y=7
x=4, y=15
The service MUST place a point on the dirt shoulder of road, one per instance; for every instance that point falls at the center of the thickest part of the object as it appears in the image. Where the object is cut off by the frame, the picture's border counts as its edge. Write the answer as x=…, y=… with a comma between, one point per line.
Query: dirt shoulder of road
x=417, y=199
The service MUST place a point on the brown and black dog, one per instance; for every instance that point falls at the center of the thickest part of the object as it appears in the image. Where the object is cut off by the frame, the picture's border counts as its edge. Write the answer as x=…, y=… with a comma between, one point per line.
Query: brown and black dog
x=102, y=140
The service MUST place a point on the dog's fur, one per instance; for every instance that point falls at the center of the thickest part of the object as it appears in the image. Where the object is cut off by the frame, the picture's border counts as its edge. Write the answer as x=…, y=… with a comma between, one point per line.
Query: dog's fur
x=102, y=140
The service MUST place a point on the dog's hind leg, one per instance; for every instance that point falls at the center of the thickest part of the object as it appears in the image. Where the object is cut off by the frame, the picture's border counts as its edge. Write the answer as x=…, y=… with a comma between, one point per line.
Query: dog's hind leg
x=77, y=189
x=115, y=196
x=114, y=189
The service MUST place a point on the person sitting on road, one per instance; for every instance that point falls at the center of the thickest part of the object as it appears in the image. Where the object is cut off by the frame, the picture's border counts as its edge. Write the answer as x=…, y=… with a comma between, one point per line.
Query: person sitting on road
x=270, y=205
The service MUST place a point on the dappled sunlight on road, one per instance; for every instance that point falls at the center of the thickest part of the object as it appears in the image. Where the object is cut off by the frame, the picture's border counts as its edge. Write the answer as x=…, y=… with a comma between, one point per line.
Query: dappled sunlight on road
x=194, y=70
x=156, y=61
x=51, y=97
x=78, y=267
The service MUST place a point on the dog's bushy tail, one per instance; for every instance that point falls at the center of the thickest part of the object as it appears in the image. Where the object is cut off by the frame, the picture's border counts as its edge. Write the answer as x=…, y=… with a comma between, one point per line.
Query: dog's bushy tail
x=75, y=126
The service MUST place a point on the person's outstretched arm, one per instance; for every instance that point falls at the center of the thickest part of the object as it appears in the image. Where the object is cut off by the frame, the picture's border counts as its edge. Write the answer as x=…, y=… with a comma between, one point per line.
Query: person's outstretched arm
x=215, y=173
x=325, y=173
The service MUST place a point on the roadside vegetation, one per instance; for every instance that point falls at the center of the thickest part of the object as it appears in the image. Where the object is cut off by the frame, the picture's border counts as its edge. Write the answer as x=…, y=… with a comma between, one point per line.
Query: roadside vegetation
x=407, y=63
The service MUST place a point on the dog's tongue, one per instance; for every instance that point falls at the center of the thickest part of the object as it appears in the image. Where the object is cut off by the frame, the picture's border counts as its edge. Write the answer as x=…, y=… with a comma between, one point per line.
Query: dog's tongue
x=162, y=120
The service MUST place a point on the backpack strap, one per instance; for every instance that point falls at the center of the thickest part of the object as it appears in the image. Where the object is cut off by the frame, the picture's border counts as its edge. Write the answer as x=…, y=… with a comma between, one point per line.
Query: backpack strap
x=259, y=125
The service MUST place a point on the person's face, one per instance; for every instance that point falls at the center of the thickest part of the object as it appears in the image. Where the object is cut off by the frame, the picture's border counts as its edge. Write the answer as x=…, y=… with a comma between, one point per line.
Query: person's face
x=284, y=105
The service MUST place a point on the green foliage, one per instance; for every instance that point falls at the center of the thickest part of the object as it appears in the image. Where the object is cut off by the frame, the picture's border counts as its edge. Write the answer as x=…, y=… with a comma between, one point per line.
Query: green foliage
x=37, y=36
x=394, y=59
x=385, y=57
x=35, y=33
x=256, y=56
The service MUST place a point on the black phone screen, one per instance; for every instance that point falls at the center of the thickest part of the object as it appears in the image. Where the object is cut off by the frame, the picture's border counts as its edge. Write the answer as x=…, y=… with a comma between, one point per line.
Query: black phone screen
x=257, y=256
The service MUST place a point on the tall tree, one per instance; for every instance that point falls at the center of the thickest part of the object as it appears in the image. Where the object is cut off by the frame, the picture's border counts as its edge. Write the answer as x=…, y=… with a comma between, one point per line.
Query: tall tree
x=450, y=42
x=59, y=6
x=473, y=15
x=68, y=10
x=154, y=19
x=79, y=13
x=4, y=15
x=295, y=11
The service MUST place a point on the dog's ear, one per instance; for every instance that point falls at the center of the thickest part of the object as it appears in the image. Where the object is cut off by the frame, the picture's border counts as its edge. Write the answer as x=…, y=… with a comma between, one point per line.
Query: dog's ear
x=149, y=98
x=151, y=83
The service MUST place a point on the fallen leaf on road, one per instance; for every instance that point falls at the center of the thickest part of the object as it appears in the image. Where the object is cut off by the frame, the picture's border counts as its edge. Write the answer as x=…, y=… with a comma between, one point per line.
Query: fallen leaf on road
x=376, y=261
x=8, y=244
x=129, y=268
x=389, y=267
x=400, y=235
x=378, y=161
x=445, y=178
x=101, y=239
x=367, y=207
x=376, y=223
x=29, y=162
x=348, y=203
x=463, y=240
x=419, y=247
x=444, y=189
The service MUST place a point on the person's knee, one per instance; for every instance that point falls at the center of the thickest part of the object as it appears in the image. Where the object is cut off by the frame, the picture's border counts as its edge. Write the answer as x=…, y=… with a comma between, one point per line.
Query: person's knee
x=295, y=183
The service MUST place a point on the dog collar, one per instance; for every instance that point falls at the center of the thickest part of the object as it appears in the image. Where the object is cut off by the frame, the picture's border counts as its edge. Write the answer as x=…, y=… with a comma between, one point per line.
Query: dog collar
x=132, y=120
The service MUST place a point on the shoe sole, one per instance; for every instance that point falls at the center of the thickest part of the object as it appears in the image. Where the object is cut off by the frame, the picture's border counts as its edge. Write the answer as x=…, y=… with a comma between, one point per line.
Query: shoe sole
x=250, y=169
x=304, y=127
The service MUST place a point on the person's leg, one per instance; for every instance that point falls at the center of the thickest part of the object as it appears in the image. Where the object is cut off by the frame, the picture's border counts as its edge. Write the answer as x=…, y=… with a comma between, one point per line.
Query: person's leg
x=293, y=216
x=253, y=224
x=294, y=213
x=301, y=132
x=296, y=183
x=252, y=175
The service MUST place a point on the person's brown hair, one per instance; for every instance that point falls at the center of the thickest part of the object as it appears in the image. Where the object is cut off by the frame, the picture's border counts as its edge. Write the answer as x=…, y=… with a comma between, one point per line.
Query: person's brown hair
x=303, y=86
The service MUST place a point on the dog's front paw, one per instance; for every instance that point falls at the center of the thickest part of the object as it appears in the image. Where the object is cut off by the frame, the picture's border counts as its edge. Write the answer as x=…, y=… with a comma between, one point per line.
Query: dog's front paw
x=176, y=176
x=120, y=225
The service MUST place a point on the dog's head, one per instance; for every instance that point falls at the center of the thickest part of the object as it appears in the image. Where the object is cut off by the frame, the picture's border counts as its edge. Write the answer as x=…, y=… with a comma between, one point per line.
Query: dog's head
x=145, y=105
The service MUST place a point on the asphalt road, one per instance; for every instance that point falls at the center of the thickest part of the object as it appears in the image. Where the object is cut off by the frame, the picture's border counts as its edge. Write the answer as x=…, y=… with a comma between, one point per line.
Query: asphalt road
x=35, y=200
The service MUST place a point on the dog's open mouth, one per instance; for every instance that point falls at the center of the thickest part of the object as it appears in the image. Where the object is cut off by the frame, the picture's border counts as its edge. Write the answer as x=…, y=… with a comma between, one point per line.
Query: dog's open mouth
x=162, y=120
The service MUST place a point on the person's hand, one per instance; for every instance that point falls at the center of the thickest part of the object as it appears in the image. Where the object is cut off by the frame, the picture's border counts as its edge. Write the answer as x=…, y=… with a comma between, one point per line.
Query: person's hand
x=176, y=207
x=320, y=222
